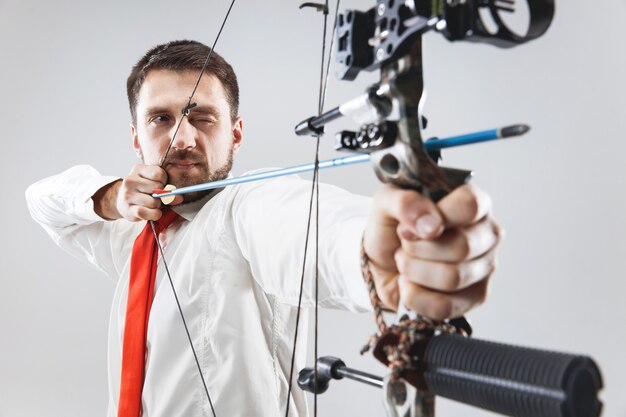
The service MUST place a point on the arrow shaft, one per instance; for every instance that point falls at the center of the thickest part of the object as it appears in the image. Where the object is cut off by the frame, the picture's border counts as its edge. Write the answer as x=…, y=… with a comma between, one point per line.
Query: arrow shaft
x=430, y=146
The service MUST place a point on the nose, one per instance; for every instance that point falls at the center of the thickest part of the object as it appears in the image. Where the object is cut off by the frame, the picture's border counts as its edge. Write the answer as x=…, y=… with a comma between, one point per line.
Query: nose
x=185, y=136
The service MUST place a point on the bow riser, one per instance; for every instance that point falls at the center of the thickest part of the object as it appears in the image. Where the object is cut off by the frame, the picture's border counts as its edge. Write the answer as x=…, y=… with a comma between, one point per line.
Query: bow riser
x=407, y=163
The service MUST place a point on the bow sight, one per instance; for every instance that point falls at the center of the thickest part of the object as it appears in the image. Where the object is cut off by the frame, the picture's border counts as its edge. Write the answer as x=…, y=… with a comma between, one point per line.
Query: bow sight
x=389, y=37
x=369, y=40
x=506, y=379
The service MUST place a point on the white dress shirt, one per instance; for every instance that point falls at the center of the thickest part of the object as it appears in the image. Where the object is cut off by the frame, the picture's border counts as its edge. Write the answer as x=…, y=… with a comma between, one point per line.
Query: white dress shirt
x=236, y=262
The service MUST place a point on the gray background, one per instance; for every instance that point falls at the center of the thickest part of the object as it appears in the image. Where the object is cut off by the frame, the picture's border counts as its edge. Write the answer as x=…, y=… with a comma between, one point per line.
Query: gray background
x=559, y=191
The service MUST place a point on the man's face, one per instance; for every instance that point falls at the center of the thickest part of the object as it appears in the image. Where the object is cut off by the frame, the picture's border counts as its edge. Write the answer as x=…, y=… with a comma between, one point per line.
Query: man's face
x=206, y=140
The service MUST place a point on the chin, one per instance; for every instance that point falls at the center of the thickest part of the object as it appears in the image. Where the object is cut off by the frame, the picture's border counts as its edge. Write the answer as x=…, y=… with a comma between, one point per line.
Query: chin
x=205, y=175
x=191, y=197
x=186, y=180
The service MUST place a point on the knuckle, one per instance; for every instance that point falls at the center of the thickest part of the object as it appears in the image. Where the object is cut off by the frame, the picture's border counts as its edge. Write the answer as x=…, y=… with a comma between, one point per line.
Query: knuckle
x=153, y=172
x=451, y=277
x=492, y=266
x=130, y=182
x=498, y=231
x=402, y=263
x=143, y=213
x=441, y=308
x=161, y=175
x=132, y=214
x=127, y=192
x=153, y=203
x=137, y=169
x=483, y=293
x=468, y=202
x=490, y=260
x=461, y=248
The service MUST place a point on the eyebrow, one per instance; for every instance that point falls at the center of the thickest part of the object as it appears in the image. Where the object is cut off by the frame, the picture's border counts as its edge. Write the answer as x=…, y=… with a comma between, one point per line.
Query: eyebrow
x=203, y=109
x=156, y=110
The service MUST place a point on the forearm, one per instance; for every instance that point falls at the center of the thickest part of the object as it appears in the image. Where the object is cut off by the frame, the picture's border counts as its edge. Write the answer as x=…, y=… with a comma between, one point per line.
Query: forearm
x=105, y=201
x=64, y=206
x=64, y=200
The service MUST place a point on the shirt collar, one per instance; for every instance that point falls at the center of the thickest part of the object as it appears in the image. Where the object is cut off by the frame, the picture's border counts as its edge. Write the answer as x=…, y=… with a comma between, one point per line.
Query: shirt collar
x=188, y=211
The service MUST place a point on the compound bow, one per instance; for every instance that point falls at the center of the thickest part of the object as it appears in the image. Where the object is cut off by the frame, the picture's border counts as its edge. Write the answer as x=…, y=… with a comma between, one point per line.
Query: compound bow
x=427, y=358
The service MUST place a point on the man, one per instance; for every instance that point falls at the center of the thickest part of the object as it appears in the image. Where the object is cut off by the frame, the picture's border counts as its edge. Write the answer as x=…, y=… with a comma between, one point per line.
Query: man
x=235, y=254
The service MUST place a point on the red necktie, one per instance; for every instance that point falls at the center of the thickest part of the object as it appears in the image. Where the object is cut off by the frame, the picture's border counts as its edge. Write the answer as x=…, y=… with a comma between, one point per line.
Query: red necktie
x=143, y=266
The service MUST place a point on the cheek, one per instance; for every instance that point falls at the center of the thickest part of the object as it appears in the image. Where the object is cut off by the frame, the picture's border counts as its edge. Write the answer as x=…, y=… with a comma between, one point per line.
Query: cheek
x=152, y=145
x=218, y=144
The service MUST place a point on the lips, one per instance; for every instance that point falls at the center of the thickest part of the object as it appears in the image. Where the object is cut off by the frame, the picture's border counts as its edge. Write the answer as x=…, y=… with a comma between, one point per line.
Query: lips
x=183, y=164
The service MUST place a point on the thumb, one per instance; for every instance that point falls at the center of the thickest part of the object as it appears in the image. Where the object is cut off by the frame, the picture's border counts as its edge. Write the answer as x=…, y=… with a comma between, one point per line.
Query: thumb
x=399, y=214
x=416, y=216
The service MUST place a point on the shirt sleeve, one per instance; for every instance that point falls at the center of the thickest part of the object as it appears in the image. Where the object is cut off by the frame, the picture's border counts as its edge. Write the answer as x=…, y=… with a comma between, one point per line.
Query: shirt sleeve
x=270, y=220
x=62, y=205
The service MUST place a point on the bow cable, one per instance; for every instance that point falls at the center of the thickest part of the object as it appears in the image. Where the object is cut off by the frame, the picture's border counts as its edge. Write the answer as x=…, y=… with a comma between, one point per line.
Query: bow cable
x=185, y=113
x=314, y=196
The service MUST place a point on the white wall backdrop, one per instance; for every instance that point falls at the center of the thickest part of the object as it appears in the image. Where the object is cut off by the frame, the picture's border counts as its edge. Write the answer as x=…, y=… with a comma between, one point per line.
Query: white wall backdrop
x=560, y=192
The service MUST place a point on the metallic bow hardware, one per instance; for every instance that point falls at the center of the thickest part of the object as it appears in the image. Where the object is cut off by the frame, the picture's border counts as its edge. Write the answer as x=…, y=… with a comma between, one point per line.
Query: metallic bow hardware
x=427, y=358
x=389, y=37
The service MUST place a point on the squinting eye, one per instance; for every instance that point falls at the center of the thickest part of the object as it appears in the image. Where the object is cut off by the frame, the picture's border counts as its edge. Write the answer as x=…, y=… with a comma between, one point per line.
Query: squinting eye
x=203, y=120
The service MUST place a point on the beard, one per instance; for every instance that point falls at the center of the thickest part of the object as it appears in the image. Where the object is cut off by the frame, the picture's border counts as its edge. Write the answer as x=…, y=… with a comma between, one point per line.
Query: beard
x=206, y=174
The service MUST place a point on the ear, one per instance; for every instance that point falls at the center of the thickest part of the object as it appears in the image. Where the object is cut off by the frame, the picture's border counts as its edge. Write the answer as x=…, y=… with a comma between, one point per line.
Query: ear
x=237, y=133
x=133, y=132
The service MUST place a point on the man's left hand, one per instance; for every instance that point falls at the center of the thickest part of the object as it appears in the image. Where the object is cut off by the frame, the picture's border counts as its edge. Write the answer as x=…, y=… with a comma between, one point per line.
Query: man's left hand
x=435, y=258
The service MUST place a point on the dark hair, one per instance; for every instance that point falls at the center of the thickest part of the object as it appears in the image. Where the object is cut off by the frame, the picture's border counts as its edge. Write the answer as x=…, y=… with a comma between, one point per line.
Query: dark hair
x=182, y=56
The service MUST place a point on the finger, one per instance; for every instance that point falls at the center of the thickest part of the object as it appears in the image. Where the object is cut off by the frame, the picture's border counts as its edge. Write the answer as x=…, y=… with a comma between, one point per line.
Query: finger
x=386, y=283
x=144, y=213
x=144, y=200
x=456, y=245
x=129, y=195
x=448, y=277
x=394, y=210
x=135, y=183
x=152, y=173
x=439, y=306
x=407, y=210
x=147, y=186
x=465, y=205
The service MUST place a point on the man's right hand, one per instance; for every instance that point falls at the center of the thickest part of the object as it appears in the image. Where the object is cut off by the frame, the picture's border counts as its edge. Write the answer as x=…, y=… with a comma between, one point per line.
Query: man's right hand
x=131, y=197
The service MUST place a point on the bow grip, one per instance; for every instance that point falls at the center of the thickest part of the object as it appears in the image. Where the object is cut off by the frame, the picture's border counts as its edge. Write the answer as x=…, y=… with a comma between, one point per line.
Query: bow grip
x=510, y=380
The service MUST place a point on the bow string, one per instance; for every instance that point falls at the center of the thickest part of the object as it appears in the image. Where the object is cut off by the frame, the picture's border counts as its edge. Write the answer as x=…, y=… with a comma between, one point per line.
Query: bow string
x=185, y=113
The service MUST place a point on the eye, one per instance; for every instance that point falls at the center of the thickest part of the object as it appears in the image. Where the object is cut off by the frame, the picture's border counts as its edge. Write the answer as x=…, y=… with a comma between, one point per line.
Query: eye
x=203, y=120
x=159, y=119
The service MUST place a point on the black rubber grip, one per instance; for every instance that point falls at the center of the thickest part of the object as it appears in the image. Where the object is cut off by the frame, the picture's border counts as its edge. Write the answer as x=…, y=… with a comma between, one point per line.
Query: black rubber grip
x=512, y=380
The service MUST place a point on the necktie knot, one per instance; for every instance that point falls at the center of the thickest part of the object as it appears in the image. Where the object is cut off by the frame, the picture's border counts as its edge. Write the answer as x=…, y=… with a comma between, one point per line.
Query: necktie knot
x=166, y=219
